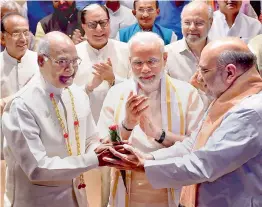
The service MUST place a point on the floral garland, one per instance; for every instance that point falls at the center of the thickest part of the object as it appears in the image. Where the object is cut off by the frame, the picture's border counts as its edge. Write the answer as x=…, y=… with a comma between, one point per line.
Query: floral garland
x=65, y=133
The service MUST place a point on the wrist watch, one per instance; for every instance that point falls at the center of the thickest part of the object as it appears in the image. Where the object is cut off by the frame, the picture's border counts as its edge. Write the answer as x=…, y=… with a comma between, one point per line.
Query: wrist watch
x=111, y=82
x=162, y=137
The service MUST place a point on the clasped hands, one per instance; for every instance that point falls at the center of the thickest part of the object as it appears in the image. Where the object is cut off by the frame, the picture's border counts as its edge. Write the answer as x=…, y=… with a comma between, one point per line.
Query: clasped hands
x=121, y=156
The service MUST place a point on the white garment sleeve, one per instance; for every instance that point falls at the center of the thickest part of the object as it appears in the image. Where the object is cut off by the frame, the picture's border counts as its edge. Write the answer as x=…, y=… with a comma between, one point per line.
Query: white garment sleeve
x=173, y=37
x=236, y=141
x=22, y=135
x=106, y=117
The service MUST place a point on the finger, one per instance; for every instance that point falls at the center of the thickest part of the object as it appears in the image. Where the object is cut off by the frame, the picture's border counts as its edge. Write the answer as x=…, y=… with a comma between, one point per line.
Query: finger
x=141, y=111
x=109, y=62
x=105, y=66
x=123, y=157
x=135, y=101
x=97, y=74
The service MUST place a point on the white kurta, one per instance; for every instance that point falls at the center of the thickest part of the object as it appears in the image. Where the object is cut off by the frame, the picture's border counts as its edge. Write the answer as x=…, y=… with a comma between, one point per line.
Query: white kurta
x=14, y=74
x=192, y=107
x=181, y=62
x=40, y=172
x=230, y=172
x=244, y=27
x=119, y=19
x=117, y=52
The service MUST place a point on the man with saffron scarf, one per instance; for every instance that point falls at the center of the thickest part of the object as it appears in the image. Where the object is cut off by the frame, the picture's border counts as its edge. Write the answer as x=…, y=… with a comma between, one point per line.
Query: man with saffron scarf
x=153, y=111
x=224, y=166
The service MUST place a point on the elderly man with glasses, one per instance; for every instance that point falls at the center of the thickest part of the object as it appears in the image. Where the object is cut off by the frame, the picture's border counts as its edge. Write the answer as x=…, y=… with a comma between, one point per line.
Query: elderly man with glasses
x=50, y=134
x=146, y=12
x=152, y=111
x=18, y=64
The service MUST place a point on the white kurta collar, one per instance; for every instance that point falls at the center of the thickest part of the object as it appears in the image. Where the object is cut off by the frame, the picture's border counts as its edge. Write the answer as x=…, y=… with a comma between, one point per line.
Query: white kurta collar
x=183, y=46
x=50, y=88
x=95, y=51
x=9, y=59
x=238, y=18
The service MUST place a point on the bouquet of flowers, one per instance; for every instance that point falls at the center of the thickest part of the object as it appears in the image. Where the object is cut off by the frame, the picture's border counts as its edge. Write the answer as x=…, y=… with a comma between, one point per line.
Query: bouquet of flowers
x=116, y=139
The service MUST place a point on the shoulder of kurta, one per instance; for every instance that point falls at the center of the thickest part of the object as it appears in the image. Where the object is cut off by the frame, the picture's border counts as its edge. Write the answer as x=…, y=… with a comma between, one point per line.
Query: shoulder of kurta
x=183, y=87
x=79, y=93
x=80, y=47
x=118, y=44
x=173, y=47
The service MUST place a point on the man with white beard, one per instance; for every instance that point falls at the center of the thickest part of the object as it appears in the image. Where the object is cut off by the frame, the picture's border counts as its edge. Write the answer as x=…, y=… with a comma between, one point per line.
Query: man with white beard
x=153, y=111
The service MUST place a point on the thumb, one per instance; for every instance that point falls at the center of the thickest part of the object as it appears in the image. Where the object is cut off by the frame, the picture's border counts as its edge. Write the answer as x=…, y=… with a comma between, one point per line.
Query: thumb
x=109, y=62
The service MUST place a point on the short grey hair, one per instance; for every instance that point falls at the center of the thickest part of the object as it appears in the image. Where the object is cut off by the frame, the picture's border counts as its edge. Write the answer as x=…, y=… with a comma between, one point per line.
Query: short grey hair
x=242, y=60
x=209, y=8
x=13, y=6
x=146, y=37
x=43, y=47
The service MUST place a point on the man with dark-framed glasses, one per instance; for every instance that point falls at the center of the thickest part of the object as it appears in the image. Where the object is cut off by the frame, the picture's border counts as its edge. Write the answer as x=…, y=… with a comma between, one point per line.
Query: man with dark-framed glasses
x=146, y=12
x=104, y=60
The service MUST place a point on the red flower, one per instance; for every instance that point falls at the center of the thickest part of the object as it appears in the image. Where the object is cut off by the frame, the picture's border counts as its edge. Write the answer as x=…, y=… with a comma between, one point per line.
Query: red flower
x=51, y=95
x=113, y=127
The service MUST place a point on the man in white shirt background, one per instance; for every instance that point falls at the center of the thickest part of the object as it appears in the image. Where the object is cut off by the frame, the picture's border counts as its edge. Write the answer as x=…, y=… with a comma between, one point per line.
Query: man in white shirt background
x=104, y=60
x=229, y=21
x=18, y=64
x=183, y=55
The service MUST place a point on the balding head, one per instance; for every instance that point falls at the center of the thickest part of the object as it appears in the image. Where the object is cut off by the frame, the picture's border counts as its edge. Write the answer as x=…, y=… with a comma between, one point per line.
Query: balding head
x=222, y=62
x=196, y=20
x=58, y=59
x=230, y=50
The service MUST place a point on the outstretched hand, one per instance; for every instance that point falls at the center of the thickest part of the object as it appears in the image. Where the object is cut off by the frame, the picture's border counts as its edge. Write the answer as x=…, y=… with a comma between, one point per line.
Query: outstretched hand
x=127, y=158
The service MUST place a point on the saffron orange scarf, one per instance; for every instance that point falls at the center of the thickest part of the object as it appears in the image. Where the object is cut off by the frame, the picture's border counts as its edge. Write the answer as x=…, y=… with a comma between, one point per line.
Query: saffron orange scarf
x=247, y=84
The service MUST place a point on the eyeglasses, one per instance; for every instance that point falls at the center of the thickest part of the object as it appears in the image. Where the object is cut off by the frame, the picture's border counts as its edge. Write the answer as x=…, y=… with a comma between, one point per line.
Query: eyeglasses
x=152, y=62
x=196, y=24
x=63, y=63
x=93, y=25
x=17, y=35
x=148, y=10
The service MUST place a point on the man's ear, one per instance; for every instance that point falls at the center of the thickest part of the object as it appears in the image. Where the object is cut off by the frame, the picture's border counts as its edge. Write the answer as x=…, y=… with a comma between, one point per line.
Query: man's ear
x=165, y=56
x=158, y=11
x=41, y=60
x=134, y=12
x=230, y=73
x=210, y=23
x=2, y=39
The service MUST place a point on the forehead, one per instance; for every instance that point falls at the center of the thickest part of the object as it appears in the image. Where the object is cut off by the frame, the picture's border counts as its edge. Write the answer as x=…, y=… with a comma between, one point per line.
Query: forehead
x=58, y=50
x=208, y=59
x=13, y=23
x=197, y=13
x=145, y=50
x=96, y=14
x=145, y=4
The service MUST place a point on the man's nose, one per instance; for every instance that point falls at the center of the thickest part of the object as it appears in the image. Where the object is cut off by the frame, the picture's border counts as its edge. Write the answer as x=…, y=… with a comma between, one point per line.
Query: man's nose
x=145, y=68
x=145, y=14
x=62, y=2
